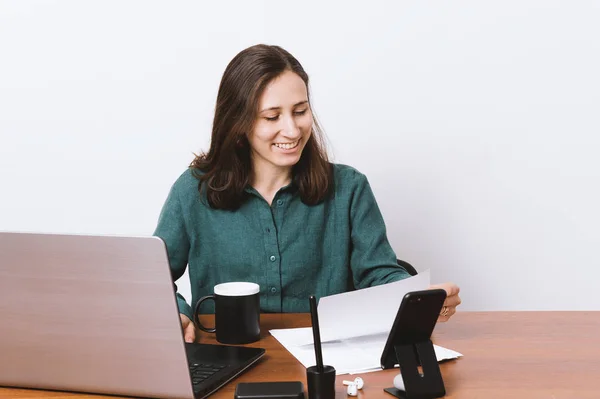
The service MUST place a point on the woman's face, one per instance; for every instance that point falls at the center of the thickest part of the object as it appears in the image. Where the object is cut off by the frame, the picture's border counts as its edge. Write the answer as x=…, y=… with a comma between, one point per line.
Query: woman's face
x=283, y=125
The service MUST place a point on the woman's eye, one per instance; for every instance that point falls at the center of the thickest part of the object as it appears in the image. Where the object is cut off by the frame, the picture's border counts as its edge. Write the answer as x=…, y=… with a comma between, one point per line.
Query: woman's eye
x=300, y=112
x=272, y=118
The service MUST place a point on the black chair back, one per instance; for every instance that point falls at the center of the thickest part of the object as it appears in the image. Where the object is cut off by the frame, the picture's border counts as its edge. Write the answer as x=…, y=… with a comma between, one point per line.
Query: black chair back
x=409, y=268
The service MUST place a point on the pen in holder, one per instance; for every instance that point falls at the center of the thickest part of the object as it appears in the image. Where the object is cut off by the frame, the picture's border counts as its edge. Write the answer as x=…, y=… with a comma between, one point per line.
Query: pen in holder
x=320, y=378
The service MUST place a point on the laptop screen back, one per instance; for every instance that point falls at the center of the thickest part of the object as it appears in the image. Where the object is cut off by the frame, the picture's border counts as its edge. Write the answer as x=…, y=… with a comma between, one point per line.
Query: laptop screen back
x=90, y=314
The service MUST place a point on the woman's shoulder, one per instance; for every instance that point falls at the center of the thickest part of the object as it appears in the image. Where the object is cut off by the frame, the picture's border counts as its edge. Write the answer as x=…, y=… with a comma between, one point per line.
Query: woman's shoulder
x=187, y=181
x=346, y=175
x=347, y=181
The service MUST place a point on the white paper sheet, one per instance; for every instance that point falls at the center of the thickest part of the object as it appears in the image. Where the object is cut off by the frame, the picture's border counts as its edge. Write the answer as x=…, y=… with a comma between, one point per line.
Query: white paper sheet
x=364, y=312
x=347, y=356
x=354, y=327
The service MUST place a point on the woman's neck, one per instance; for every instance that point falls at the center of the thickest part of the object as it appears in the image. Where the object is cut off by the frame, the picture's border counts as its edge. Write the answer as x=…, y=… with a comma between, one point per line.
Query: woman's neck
x=268, y=180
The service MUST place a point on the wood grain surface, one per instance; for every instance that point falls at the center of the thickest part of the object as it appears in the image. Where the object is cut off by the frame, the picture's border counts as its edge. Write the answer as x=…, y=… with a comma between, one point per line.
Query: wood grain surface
x=531, y=355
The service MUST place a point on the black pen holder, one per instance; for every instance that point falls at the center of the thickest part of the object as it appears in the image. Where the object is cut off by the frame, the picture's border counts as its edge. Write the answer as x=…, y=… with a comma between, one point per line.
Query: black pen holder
x=321, y=384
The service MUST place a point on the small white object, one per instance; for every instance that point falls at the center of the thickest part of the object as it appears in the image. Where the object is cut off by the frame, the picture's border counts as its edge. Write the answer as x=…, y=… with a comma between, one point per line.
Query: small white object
x=399, y=382
x=357, y=381
x=352, y=389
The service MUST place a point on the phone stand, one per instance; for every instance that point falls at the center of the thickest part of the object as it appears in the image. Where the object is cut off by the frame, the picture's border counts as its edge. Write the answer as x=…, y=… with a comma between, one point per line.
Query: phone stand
x=427, y=385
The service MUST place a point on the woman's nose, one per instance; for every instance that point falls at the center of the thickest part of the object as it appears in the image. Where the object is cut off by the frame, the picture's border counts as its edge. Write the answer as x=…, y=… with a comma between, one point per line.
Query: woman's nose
x=290, y=128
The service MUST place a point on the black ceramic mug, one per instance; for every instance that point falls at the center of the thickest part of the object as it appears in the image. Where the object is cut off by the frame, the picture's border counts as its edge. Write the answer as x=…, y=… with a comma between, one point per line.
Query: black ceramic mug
x=237, y=313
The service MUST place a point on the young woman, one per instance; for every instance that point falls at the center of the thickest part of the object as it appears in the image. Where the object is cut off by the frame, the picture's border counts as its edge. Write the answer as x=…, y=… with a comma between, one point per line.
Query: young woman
x=265, y=205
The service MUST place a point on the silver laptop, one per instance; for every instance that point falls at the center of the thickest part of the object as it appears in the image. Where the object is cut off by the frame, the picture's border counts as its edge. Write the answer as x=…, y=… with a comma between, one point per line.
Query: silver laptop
x=98, y=314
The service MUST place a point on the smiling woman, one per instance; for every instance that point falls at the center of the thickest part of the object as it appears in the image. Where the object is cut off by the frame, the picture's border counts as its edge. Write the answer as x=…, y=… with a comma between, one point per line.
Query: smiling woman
x=264, y=204
x=262, y=129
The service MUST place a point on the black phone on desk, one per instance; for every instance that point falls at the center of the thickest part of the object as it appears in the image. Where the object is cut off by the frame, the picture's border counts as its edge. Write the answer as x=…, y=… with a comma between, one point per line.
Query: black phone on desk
x=414, y=322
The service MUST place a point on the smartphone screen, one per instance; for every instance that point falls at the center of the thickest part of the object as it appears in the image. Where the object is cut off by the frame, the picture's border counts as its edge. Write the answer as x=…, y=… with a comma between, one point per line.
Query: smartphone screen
x=415, y=321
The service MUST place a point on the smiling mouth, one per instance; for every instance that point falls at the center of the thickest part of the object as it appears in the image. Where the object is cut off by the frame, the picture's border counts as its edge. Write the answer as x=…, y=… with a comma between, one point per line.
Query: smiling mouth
x=287, y=146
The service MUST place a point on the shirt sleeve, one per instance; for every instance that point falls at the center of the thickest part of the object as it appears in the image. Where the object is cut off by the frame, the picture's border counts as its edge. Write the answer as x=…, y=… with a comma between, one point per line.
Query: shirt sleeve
x=372, y=259
x=171, y=229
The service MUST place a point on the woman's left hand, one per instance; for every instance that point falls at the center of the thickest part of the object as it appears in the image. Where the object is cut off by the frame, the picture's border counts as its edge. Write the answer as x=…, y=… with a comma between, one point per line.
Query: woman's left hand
x=451, y=302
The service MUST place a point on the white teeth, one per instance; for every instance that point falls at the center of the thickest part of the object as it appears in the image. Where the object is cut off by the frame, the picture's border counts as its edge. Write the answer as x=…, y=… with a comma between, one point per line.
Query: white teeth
x=286, y=146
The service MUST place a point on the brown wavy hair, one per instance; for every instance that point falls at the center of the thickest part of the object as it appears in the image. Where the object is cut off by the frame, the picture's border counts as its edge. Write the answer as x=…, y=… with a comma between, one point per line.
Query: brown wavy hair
x=226, y=167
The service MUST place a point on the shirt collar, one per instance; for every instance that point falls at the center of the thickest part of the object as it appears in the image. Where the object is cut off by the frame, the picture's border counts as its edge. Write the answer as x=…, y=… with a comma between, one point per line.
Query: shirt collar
x=292, y=188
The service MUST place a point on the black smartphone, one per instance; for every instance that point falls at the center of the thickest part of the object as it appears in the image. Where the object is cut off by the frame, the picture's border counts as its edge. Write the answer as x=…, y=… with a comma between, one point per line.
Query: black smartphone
x=275, y=390
x=414, y=322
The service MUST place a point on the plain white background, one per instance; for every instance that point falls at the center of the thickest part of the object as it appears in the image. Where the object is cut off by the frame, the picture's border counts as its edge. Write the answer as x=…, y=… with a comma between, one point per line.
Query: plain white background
x=477, y=123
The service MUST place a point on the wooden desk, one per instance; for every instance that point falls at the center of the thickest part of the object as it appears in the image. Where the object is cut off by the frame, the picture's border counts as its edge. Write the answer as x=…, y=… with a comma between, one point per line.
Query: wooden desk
x=506, y=355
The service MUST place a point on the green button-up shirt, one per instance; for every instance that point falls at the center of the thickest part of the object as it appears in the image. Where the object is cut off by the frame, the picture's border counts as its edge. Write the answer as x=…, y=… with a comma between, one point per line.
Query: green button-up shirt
x=290, y=249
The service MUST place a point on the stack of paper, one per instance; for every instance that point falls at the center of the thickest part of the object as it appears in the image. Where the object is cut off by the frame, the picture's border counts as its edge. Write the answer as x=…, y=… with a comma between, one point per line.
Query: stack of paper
x=354, y=327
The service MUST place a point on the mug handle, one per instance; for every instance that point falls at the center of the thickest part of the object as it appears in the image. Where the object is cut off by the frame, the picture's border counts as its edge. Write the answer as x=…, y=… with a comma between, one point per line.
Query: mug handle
x=196, y=314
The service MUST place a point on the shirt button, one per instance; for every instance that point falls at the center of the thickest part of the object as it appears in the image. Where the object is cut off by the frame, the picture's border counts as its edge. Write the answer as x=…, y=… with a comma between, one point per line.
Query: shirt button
x=273, y=290
x=268, y=230
x=272, y=258
x=279, y=202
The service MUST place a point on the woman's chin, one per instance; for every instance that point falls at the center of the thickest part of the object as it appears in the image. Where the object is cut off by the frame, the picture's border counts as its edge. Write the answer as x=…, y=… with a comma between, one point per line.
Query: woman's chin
x=287, y=160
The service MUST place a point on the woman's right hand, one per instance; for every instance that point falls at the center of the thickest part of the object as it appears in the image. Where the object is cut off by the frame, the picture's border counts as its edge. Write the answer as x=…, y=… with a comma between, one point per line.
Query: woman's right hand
x=189, y=329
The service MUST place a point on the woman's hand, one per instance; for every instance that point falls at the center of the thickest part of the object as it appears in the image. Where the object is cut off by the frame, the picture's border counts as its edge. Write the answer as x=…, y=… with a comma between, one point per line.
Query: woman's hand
x=189, y=329
x=451, y=302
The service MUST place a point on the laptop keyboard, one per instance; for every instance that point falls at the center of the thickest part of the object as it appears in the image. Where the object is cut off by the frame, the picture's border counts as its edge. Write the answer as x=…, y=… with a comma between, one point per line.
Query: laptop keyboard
x=202, y=371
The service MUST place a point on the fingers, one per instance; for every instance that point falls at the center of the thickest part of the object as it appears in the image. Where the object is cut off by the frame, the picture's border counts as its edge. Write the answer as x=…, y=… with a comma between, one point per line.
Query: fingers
x=184, y=320
x=450, y=288
x=189, y=333
x=452, y=301
x=451, y=311
x=189, y=330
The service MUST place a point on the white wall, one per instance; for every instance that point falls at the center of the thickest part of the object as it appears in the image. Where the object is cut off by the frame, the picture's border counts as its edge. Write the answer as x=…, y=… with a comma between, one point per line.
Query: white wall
x=476, y=122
